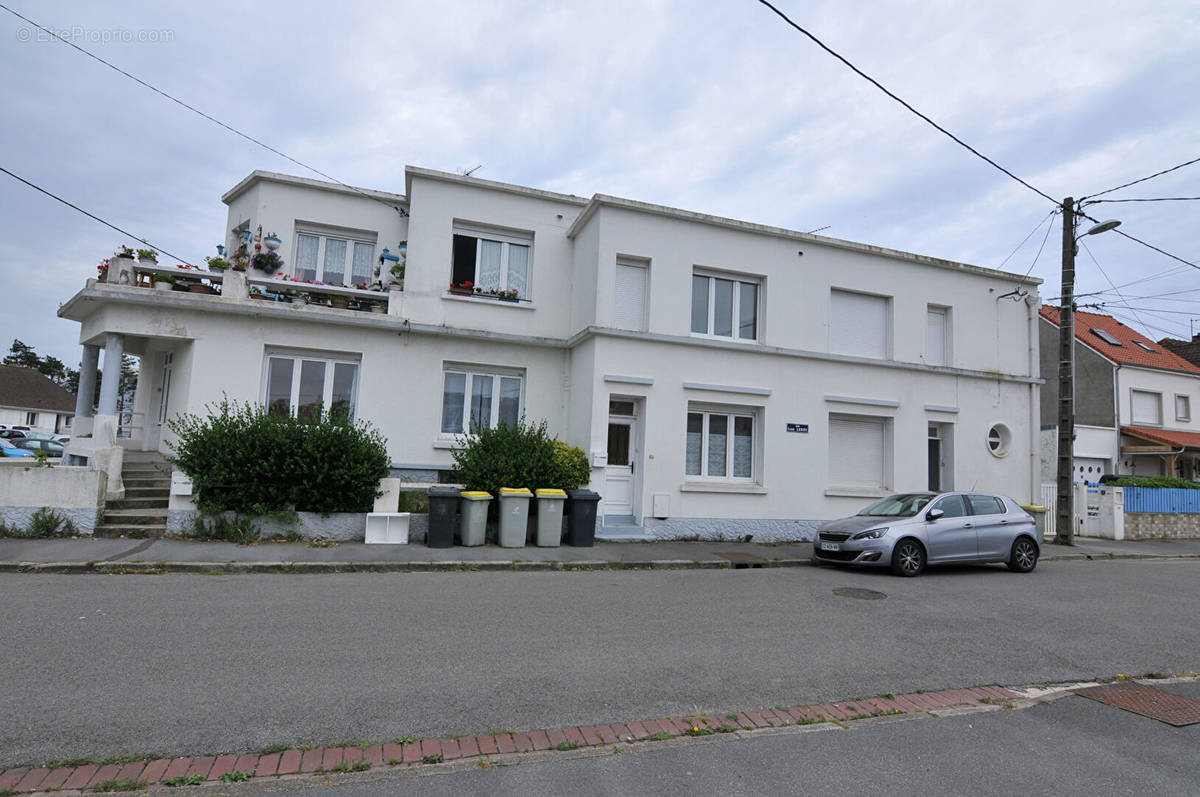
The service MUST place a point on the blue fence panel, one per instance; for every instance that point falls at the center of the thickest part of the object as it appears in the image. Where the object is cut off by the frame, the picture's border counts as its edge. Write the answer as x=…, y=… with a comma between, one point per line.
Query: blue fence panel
x=1165, y=500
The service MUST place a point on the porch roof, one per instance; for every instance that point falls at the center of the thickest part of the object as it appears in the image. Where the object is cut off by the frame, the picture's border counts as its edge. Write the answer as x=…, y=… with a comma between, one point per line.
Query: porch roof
x=1166, y=437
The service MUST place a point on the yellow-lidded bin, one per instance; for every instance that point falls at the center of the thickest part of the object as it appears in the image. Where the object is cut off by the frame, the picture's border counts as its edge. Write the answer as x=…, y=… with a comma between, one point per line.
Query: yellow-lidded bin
x=514, y=516
x=474, y=517
x=1039, y=517
x=550, y=515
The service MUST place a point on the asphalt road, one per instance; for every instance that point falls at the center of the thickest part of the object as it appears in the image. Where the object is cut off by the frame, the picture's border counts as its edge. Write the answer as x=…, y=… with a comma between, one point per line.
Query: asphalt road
x=1073, y=746
x=179, y=664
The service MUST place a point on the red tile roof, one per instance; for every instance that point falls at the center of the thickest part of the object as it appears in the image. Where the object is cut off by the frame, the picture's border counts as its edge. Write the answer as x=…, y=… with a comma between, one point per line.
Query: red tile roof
x=1175, y=439
x=1129, y=351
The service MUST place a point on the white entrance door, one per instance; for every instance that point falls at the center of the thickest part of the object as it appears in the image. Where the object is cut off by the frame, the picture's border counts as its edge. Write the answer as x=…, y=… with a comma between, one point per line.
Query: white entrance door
x=618, y=482
x=154, y=432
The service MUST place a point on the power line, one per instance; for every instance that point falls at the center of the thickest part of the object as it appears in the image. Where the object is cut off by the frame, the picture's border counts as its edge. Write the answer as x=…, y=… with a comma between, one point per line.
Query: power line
x=1110, y=282
x=880, y=86
x=1046, y=237
x=90, y=215
x=197, y=111
x=1143, y=243
x=1142, y=180
x=1155, y=199
x=1023, y=240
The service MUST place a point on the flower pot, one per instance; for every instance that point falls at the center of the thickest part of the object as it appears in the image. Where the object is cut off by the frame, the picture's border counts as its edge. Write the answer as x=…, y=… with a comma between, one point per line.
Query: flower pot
x=378, y=308
x=163, y=285
x=201, y=289
x=272, y=242
x=259, y=296
x=462, y=291
x=339, y=303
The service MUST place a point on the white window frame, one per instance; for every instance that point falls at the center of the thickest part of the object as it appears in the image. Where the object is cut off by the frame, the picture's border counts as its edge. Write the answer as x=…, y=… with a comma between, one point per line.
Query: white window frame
x=323, y=237
x=1133, y=392
x=31, y=419
x=944, y=312
x=731, y=414
x=505, y=239
x=1186, y=415
x=330, y=362
x=738, y=280
x=471, y=372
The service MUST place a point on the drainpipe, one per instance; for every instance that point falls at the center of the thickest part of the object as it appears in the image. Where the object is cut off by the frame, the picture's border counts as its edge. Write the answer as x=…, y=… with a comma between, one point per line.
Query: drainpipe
x=1035, y=410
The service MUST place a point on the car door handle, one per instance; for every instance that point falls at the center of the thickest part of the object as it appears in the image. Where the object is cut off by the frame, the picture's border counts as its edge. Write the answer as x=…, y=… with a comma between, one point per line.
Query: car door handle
x=968, y=525
x=1003, y=521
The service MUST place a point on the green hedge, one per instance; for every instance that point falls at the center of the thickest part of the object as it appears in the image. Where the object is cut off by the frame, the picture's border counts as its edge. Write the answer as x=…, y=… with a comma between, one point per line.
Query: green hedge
x=1155, y=481
x=242, y=458
x=518, y=455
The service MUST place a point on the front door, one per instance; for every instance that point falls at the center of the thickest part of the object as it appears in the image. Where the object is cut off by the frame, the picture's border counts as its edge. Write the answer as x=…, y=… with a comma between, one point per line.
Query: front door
x=163, y=395
x=618, y=483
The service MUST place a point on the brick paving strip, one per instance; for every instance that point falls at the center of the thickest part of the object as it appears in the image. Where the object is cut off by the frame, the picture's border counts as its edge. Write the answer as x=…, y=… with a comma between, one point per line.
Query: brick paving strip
x=408, y=752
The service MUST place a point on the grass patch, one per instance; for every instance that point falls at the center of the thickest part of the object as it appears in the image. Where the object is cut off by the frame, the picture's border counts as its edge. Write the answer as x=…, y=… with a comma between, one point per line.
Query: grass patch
x=182, y=780
x=565, y=746
x=432, y=758
x=356, y=766
x=120, y=785
x=661, y=736
x=275, y=748
x=404, y=740
x=886, y=695
x=120, y=759
x=235, y=776
x=394, y=762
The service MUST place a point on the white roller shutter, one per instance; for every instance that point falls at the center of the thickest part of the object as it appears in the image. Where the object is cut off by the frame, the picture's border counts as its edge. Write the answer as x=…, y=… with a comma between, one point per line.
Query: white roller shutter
x=629, y=297
x=858, y=324
x=935, y=336
x=1147, y=407
x=856, y=452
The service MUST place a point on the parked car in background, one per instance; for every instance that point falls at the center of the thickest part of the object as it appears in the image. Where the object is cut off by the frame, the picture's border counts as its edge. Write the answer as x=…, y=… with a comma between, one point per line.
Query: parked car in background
x=31, y=435
x=61, y=438
x=7, y=449
x=51, y=448
x=908, y=531
x=11, y=434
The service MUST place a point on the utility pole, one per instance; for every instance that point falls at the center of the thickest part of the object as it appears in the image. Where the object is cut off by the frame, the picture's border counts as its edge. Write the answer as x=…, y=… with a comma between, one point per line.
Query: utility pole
x=1065, y=519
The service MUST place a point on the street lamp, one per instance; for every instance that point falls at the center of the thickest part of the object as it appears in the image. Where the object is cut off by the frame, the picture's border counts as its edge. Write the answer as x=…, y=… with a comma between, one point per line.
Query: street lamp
x=1065, y=509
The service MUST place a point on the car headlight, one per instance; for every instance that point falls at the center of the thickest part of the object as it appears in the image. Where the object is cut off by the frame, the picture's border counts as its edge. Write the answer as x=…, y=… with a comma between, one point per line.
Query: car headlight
x=871, y=534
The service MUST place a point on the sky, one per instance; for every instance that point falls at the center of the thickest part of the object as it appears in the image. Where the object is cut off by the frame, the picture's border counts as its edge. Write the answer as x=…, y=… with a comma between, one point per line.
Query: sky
x=717, y=107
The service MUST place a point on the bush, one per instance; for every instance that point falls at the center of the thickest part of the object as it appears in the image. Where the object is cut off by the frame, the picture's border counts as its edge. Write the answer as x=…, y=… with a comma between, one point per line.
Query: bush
x=520, y=455
x=244, y=459
x=1155, y=481
x=239, y=528
x=44, y=523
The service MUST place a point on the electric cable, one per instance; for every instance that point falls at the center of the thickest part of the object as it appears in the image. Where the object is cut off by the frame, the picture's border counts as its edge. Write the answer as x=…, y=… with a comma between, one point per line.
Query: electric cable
x=1141, y=180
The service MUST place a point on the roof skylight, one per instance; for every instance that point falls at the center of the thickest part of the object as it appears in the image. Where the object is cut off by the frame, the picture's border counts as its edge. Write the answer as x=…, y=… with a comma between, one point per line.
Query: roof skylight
x=1144, y=345
x=1106, y=337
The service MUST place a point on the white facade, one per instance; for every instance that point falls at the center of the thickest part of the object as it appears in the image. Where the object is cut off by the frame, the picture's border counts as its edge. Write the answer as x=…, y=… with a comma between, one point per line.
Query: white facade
x=725, y=378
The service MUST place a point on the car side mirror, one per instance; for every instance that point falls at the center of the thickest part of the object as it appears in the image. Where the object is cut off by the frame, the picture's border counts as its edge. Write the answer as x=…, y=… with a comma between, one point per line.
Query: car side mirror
x=934, y=514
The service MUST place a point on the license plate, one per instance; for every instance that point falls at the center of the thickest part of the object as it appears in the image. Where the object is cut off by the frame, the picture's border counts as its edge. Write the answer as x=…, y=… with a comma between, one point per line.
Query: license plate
x=830, y=546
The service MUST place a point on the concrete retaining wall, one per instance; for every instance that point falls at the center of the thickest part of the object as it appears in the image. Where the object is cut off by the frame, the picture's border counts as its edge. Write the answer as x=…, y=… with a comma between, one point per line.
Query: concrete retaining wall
x=762, y=530
x=76, y=493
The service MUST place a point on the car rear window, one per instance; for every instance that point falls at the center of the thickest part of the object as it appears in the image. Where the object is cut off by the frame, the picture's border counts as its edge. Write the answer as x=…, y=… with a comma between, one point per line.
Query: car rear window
x=986, y=505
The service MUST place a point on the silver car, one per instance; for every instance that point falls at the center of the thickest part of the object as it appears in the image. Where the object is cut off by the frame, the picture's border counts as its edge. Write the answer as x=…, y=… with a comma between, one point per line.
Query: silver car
x=908, y=531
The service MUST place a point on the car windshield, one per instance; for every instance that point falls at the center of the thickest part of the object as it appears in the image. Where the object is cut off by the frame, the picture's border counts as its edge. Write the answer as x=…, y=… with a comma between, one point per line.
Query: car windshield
x=904, y=505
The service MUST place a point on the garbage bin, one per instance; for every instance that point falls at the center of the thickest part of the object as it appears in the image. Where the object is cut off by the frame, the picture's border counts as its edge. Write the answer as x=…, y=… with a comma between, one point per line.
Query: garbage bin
x=1039, y=517
x=443, y=507
x=550, y=515
x=474, y=516
x=581, y=517
x=514, y=516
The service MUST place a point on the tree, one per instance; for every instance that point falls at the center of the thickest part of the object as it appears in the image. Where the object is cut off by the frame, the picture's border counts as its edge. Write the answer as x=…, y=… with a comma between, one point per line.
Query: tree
x=24, y=355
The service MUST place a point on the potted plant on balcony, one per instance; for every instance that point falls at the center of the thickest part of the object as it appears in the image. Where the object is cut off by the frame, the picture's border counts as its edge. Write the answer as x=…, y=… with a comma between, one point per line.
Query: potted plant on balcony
x=147, y=255
x=163, y=282
x=465, y=288
x=102, y=270
x=272, y=241
x=268, y=261
x=217, y=263
x=339, y=302
x=258, y=293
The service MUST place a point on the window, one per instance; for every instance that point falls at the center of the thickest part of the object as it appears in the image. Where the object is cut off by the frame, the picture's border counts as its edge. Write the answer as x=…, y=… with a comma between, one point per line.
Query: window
x=1146, y=407
x=858, y=451
x=724, y=308
x=492, y=261
x=720, y=445
x=937, y=335
x=858, y=324
x=986, y=505
x=333, y=259
x=304, y=385
x=1183, y=407
x=629, y=297
x=952, y=506
x=1106, y=337
x=31, y=419
x=1144, y=345
x=999, y=438
x=472, y=399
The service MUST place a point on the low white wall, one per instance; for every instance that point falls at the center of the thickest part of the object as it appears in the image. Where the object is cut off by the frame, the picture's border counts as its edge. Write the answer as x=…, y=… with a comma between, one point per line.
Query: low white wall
x=76, y=493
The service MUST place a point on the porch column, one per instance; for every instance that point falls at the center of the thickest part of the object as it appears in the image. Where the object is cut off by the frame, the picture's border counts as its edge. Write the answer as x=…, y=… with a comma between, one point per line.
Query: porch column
x=87, y=381
x=114, y=349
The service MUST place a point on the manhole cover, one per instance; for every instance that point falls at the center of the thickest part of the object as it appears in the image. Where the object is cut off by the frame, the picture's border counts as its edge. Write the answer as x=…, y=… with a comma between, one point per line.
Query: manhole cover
x=1148, y=701
x=858, y=592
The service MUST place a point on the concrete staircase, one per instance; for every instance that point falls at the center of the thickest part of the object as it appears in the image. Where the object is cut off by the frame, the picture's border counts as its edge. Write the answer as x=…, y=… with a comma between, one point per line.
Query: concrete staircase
x=143, y=510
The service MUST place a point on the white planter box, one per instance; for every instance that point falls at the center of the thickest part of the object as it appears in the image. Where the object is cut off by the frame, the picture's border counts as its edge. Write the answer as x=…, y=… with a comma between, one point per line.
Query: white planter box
x=387, y=528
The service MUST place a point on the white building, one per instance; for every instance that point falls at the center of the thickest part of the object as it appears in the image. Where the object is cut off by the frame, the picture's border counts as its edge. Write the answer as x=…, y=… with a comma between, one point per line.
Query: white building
x=1133, y=402
x=31, y=400
x=725, y=378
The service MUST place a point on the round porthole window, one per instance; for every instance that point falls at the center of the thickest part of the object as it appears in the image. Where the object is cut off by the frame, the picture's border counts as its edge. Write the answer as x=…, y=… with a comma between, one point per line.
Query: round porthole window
x=998, y=440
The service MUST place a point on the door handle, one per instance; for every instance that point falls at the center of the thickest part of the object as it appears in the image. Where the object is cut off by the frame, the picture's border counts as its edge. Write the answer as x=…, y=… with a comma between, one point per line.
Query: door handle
x=968, y=525
x=1003, y=521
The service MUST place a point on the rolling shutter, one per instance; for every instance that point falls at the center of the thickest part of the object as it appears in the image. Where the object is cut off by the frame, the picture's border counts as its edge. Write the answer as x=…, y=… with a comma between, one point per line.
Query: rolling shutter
x=856, y=452
x=858, y=324
x=629, y=297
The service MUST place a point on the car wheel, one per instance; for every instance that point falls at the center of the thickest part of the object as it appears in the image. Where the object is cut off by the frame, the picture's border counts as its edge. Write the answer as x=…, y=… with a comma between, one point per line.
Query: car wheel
x=1024, y=556
x=908, y=558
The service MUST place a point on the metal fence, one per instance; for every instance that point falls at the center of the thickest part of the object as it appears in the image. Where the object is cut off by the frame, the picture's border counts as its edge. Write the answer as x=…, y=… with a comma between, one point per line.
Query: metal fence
x=1163, y=500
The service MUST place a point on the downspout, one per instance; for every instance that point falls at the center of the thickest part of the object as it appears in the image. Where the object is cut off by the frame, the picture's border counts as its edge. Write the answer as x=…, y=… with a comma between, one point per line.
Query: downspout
x=1117, y=412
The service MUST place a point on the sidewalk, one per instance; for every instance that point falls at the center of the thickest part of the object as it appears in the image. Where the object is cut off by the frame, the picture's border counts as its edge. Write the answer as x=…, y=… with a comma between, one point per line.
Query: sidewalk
x=85, y=555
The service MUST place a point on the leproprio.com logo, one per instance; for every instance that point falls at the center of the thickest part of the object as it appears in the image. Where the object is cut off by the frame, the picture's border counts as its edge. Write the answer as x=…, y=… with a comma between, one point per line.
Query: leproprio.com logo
x=79, y=33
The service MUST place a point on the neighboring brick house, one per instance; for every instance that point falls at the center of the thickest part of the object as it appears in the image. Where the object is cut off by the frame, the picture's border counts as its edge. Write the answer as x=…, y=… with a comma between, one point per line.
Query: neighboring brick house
x=1133, y=402
x=30, y=398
